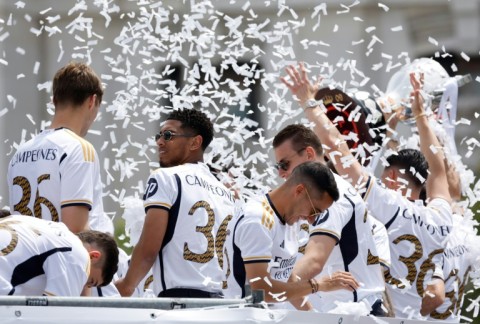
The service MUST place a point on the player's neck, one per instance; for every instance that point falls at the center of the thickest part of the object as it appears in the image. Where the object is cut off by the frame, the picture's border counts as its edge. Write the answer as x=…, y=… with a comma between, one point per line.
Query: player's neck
x=194, y=158
x=70, y=119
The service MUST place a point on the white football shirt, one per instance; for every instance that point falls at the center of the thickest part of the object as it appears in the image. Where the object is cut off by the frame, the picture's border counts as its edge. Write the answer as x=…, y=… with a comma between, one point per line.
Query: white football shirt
x=41, y=257
x=348, y=223
x=199, y=208
x=259, y=235
x=418, y=235
x=56, y=169
x=382, y=242
x=456, y=267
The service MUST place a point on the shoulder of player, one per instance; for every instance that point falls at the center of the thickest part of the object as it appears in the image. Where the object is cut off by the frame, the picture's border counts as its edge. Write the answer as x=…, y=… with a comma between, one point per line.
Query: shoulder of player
x=346, y=188
x=255, y=211
x=75, y=142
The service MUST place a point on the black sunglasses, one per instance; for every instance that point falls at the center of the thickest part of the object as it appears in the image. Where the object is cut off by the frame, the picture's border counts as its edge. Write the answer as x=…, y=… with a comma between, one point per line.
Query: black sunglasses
x=284, y=164
x=168, y=135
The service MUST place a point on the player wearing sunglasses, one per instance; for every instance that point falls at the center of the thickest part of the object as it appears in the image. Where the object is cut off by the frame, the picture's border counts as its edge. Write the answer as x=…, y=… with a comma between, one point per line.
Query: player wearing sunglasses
x=262, y=240
x=187, y=211
x=340, y=238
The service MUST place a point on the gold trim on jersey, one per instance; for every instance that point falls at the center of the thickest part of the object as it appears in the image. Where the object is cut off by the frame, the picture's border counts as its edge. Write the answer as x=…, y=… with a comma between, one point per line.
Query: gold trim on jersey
x=268, y=219
x=370, y=182
x=157, y=204
x=325, y=231
x=74, y=201
x=264, y=257
x=384, y=262
x=87, y=147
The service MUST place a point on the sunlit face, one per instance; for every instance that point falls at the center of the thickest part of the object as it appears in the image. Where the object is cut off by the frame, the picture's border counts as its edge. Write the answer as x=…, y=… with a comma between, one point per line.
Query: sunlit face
x=307, y=207
x=175, y=150
x=288, y=158
x=95, y=279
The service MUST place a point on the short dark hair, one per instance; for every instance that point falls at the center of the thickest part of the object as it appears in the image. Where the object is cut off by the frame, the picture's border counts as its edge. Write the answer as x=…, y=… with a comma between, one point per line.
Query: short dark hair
x=196, y=121
x=315, y=175
x=301, y=137
x=106, y=243
x=407, y=158
x=4, y=213
x=74, y=83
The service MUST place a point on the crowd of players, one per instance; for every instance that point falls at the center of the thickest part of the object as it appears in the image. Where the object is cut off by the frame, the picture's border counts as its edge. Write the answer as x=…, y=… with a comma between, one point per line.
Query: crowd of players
x=332, y=233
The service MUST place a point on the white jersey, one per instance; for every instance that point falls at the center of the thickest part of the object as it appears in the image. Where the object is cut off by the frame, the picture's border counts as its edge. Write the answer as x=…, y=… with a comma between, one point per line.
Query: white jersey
x=56, y=169
x=258, y=235
x=40, y=257
x=382, y=242
x=348, y=223
x=199, y=208
x=418, y=235
x=456, y=267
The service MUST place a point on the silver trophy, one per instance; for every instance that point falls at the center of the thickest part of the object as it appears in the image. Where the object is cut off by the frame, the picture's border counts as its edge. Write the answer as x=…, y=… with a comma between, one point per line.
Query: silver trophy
x=398, y=92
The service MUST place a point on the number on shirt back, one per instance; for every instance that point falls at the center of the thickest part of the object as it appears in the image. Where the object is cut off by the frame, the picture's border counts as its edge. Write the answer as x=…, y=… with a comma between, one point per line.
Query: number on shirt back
x=214, y=245
x=7, y=226
x=455, y=301
x=409, y=262
x=22, y=205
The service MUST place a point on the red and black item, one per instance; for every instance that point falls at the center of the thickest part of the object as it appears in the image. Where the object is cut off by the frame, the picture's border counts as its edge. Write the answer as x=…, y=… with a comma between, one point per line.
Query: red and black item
x=359, y=114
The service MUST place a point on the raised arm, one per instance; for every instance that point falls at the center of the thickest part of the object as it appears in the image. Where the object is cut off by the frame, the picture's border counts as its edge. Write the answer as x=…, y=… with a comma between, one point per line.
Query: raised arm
x=437, y=184
x=334, y=145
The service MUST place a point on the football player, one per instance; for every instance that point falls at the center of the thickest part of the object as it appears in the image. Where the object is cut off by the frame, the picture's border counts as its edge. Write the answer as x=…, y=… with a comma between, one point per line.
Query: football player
x=263, y=240
x=42, y=257
x=340, y=238
x=187, y=212
x=56, y=175
x=417, y=232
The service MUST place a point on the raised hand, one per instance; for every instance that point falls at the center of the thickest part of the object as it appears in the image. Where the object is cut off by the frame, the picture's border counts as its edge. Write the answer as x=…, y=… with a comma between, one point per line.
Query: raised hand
x=299, y=84
x=417, y=98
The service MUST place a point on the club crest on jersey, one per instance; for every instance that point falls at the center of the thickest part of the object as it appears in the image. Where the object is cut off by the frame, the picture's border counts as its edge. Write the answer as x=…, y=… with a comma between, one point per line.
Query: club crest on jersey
x=322, y=218
x=152, y=187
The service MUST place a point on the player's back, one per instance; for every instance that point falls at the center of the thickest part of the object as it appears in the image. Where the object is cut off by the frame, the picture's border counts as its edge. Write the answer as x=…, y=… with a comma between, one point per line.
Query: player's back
x=30, y=244
x=418, y=235
x=55, y=169
x=348, y=223
x=199, y=210
x=457, y=263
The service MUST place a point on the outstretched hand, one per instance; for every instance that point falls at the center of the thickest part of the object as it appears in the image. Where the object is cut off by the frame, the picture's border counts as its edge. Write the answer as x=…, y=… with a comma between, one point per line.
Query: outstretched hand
x=417, y=98
x=338, y=280
x=299, y=84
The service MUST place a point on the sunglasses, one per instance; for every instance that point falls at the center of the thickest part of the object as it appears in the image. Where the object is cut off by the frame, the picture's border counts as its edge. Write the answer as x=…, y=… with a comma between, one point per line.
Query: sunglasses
x=169, y=135
x=284, y=164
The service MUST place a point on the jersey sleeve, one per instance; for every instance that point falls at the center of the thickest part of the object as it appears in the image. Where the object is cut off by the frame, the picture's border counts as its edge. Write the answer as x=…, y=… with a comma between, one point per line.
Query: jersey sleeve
x=161, y=191
x=77, y=172
x=333, y=220
x=442, y=210
x=381, y=202
x=382, y=243
x=64, y=276
x=254, y=238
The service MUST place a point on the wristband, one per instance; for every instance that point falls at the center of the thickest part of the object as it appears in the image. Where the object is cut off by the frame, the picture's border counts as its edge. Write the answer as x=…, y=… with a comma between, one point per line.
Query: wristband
x=420, y=115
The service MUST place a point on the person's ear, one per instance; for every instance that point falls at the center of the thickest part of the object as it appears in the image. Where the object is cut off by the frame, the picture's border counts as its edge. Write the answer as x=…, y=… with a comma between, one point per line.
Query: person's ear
x=299, y=188
x=393, y=174
x=311, y=154
x=196, y=142
x=95, y=255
